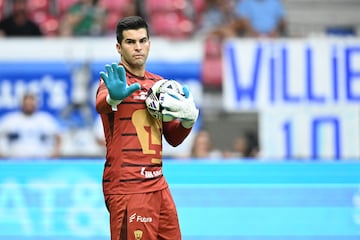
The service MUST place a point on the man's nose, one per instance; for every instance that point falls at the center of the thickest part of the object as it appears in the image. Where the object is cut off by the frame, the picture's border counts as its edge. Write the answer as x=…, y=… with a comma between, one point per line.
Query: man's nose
x=137, y=46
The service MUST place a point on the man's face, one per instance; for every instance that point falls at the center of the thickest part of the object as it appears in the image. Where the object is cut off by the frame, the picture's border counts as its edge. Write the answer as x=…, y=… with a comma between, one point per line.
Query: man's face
x=134, y=48
x=29, y=105
x=19, y=7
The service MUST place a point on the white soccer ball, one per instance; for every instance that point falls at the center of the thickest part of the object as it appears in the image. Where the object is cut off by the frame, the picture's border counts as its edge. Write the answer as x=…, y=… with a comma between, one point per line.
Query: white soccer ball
x=155, y=97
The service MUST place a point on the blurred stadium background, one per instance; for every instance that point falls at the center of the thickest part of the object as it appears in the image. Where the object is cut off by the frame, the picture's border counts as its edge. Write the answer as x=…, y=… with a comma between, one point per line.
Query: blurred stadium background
x=299, y=96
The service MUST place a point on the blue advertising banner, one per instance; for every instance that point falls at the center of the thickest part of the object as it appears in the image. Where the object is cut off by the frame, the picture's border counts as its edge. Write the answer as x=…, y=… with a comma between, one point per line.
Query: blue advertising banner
x=55, y=81
x=297, y=72
x=50, y=80
x=222, y=200
x=66, y=88
x=306, y=92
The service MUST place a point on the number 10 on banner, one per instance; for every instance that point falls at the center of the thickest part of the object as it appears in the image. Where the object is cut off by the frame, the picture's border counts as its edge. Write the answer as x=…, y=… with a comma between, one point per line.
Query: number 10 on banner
x=329, y=133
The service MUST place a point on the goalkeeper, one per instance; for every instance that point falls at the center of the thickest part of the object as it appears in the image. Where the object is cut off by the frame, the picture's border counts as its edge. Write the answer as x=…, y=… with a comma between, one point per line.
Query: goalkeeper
x=135, y=191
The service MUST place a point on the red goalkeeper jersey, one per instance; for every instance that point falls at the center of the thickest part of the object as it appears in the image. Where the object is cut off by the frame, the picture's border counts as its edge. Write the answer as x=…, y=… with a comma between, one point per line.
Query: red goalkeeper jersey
x=134, y=140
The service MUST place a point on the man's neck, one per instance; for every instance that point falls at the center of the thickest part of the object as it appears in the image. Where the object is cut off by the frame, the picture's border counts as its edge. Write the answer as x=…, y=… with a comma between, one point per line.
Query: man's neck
x=137, y=71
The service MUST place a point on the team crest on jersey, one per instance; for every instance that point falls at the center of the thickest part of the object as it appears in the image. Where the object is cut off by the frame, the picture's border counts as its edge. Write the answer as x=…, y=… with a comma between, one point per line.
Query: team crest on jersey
x=138, y=234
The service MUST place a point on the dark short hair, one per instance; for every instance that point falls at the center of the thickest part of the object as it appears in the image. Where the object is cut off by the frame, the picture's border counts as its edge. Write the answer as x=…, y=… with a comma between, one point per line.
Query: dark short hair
x=130, y=23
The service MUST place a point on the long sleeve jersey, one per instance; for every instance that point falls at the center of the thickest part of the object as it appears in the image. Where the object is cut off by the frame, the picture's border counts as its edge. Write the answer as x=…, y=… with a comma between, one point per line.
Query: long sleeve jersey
x=134, y=140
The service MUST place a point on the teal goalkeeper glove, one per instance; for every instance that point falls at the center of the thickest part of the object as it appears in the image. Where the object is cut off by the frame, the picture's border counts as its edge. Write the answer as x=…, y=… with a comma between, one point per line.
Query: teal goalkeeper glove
x=177, y=106
x=115, y=82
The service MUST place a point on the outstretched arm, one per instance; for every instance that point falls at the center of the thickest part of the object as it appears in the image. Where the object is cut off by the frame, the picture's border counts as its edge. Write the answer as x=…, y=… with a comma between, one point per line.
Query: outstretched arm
x=116, y=88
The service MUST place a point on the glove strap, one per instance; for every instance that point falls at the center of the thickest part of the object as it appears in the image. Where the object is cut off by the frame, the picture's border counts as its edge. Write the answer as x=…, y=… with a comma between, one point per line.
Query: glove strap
x=187, y=123
x=113, y=103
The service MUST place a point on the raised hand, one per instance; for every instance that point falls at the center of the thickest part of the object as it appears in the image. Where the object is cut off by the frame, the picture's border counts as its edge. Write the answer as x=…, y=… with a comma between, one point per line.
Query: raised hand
x=115, y=81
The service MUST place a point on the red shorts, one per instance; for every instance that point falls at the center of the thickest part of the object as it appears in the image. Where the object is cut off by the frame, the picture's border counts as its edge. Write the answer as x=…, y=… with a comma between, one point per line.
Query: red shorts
x=143, y=216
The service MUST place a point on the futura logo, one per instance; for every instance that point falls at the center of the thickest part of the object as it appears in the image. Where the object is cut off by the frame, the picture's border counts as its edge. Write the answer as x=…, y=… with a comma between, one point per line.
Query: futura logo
x=137, y=218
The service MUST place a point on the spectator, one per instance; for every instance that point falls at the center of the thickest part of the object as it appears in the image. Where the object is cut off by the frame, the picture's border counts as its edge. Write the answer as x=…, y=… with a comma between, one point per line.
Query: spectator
x=244, y=146
x=19, y=23
x=202, y=146
x=239, y=148
x=84, y=18
x=218, y=19
x=29, y=133
x=253, y=146
x=261, y=18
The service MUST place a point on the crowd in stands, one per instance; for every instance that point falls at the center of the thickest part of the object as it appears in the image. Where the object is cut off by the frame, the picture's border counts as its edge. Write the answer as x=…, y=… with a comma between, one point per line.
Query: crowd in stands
x=244, y=146
x=211, y=20
x=177, y=19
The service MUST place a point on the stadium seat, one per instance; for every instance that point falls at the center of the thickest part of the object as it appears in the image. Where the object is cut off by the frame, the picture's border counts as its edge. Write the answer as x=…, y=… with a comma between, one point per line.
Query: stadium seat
x=117, y=10
x=171, y=25
x=112, y=19
x=39, y=6
x=116, y=5
x=211, y=72
x=213, y=47
x=152, y=6
x=168, y=18
x=49, y=24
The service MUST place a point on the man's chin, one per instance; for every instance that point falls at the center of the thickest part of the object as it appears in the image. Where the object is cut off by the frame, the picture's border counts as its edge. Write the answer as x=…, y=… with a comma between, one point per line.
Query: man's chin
x=139, y=62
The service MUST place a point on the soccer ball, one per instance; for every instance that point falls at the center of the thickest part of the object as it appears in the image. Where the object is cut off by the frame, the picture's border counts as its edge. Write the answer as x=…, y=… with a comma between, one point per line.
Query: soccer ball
x=156, y=96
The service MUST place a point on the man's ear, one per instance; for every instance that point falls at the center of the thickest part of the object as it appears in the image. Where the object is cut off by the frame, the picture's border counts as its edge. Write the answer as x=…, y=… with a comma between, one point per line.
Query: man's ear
x=118, y=48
